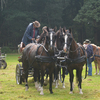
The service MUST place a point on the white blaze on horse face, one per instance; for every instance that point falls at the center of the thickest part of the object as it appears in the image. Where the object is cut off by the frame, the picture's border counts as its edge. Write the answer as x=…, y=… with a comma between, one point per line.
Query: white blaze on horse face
x=63, y=33
x=51, y=35
x=65, y=46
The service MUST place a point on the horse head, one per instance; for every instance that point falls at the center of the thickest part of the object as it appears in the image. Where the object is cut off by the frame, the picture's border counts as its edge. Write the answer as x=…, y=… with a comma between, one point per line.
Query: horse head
x=67, y=40
x=50, y=38
x=59, y=39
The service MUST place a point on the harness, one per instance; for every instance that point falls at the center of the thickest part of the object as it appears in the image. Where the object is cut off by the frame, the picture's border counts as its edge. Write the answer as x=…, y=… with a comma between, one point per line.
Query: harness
x=77, y=60
x=45, y=59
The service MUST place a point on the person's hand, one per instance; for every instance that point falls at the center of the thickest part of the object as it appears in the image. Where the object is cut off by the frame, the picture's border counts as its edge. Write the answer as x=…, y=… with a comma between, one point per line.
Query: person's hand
x=33, y=39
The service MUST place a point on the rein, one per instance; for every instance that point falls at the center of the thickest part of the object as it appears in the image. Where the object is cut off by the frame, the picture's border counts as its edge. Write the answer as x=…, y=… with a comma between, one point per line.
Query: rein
x=45, y=59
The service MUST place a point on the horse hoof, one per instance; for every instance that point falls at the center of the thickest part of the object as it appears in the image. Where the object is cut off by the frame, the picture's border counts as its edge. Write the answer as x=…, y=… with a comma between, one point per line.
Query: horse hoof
x=70, y=92
x=26, y=88
x=56, y=86
x=80, y=92
x=64, y=87
x=41, y=93
x=51, y=92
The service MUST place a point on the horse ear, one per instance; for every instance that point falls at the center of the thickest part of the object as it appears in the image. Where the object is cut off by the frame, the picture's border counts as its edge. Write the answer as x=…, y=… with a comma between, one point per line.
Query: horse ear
x=48, y=29
x=64, y=29
x=70, y=30
x=55, y=28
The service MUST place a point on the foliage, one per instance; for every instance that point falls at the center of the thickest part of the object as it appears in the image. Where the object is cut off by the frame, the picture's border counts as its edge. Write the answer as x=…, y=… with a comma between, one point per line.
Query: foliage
x=6, y=49
x=15, y=15
x=89, y=13
x=89, y=16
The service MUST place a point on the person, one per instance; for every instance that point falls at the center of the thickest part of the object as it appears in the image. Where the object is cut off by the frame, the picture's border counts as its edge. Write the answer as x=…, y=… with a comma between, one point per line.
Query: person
x=31, y=33
x=90, y=56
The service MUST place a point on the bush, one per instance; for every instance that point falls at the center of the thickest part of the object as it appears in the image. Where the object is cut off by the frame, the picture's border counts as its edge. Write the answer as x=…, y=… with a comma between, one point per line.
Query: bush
x=6, y=50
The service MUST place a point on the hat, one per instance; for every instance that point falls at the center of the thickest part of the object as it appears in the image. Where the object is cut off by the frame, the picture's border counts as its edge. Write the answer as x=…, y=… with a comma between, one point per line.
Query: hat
x=87, y=41
x=37, y=24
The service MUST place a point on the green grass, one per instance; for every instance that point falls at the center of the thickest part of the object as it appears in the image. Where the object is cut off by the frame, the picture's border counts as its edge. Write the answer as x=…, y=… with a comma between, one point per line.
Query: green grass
x=9, y=90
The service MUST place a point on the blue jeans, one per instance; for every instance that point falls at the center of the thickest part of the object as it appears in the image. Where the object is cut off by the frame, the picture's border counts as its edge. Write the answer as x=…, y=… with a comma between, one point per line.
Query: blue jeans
x=89, y=68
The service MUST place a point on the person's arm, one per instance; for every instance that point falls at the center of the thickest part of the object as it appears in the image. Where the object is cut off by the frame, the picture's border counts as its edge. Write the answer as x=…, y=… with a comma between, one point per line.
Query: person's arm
x=28, y=31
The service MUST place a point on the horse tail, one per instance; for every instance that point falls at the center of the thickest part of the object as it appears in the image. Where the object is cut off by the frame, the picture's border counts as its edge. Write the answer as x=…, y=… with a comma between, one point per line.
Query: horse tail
x=86, y=71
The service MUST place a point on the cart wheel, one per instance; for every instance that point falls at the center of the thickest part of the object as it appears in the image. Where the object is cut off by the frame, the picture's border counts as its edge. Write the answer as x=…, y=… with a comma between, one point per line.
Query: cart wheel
x=3, y=64
x=19, y=74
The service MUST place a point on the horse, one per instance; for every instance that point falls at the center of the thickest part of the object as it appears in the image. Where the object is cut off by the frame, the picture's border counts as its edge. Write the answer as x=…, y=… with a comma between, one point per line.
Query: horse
x=96, y=51
x=75, y=60
x=59, y=43
x=40, y=57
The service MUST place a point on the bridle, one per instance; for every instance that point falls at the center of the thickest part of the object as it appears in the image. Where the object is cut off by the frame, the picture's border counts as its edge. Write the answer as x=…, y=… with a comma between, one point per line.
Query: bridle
x=50, y=40
x=68, y=41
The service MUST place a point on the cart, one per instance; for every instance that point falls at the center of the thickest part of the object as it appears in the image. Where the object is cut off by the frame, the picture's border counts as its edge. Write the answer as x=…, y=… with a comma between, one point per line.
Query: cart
x=3, y=63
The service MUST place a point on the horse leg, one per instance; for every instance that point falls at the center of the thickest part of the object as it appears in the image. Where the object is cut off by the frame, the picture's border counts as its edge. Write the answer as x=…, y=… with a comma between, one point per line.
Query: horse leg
x=63, y=77
x=95, y=68
x=99, y=68
x=71, y=81
x=39, y=85
x=46, y=79
x=50, y=82
x=25, y=74
x=26, y=82
x=42, y=81
x=35, y=78
x=79, y=77
x=56, y=76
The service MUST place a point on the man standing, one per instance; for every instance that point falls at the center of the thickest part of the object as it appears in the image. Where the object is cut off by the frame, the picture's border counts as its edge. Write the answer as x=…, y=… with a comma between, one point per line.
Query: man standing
x=90, y=56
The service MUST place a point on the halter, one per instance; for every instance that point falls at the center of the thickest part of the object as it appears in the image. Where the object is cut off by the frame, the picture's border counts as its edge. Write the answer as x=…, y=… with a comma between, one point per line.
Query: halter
x=66, y=43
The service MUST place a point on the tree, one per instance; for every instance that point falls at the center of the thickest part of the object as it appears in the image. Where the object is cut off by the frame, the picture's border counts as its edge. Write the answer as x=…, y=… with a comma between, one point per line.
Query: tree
x=70, y=11
x=90, y=14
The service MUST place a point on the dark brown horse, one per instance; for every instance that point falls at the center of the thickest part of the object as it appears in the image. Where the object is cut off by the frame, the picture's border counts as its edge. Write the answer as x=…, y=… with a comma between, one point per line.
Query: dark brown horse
x=96, y=51
x=75, y=60
x=40, y=57
x=59, y=45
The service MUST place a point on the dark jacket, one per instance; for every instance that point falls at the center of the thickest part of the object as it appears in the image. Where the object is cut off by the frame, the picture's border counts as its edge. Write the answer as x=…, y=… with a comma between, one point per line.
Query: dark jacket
x=90, y=55
x=28, y=35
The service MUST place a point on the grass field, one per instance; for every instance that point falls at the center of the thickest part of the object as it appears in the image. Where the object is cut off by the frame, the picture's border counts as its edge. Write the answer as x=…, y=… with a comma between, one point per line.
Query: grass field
x=9, y=90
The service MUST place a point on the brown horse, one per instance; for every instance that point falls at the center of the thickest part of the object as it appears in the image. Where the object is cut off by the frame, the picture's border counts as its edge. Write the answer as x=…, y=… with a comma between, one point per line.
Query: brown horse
x=96, y=51
x=40, y=57
x=75, y=60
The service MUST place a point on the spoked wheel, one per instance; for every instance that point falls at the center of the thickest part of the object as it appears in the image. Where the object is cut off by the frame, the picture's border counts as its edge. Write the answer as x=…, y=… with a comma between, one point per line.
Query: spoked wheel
x=19, y=78
x=3, y=64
